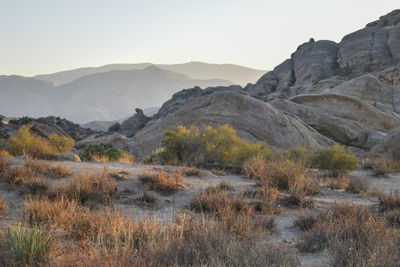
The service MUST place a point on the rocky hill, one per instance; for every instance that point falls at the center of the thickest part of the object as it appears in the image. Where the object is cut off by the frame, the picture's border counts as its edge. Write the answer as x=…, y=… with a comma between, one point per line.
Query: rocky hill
x=326, y=92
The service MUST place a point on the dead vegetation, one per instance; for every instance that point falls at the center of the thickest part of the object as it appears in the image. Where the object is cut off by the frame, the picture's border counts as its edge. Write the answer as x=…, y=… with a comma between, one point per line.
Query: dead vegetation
x=381, y=166
x=192, y=171
x=163, y=182
x=3, y=206
x=353, y=236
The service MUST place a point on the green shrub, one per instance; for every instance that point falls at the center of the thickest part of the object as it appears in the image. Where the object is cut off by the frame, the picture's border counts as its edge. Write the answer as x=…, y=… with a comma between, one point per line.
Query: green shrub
x=24, y=141
x=208, y=146
x=114, y=127
x=300, y=154
x=61, y=143
x=335, y=159
x=103, y=152
x=21, y=121
x=26, y=246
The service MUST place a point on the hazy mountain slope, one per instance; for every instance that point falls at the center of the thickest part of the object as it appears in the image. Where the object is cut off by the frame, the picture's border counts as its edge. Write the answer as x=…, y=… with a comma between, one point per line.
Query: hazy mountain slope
x=196, y=70
x=68, y=76
x=199, y=70
x=21, y=96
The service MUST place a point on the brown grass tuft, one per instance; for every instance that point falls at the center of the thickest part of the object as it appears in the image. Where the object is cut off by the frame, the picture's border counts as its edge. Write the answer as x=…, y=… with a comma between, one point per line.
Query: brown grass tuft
x=192, y=171
x=147, y=198
x=91, y=189
x=390, y=201
x=163, y=182
x=3, y=206
x=218, y=172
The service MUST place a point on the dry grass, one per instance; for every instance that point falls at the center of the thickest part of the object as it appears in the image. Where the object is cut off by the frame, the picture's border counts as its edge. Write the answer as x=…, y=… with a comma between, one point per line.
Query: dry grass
x=147, y=198
x=119, y=175
x=3, y=206
x=192, y=171
x=265, y=198
x=383, y=167
x=340, y=182
x=354, y=238
x=390, y=201
x=218, y=172
x=5, y=164
x=234, y=211
x=255, y=168
x=162, y=181
x=306, y=220
x=47, y=169
x=359, y=185
x=91, y=189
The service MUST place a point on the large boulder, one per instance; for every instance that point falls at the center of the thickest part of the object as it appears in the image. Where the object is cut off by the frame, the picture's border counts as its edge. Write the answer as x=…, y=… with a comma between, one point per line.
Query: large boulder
x=390, y=146
x=132, y=125
x=345, y=131
x=252, y=119
x=375, y=46
x=314, y=61
x=45, y=130
x=350, y=108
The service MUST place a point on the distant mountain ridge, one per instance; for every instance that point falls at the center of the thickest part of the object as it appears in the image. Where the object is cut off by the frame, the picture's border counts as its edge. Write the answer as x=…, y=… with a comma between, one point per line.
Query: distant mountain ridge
x=195, y=70
x=100, y=96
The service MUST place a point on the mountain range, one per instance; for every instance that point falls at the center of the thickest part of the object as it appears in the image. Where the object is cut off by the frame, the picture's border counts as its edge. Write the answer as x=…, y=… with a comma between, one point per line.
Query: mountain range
x=110, y=92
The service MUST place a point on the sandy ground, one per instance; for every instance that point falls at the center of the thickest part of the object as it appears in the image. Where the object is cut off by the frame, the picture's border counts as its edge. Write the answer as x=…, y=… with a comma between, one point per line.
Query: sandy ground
x=168, y=204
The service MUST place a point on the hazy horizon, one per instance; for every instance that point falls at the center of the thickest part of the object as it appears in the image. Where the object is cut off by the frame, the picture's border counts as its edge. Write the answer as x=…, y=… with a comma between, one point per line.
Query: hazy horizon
x=49, y=36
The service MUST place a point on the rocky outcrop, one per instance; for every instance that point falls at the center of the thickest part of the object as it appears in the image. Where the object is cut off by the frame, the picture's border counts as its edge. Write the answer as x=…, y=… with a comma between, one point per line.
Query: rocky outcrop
x=389, y=147
x=252, y=119
x=314, y=61
x=117, y=140
x=45, y=130
x=182, y=97
x=375, y=46
x=72, y=129
x=132, y=125
x=350, y=108
x=345, y=131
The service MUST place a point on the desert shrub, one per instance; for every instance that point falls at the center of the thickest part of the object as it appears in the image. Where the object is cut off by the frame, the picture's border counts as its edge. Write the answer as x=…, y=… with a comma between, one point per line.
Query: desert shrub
x=266, y=197
x=45, y=168
x=5, y=164
x=91, y=189
x=354, y=238
x=147, y=198
x=114, y=127
x=192, y=171
x=285, y=174
x=358, y=185
x=118, y=175
x=61, y=143
x=300, y=154
x=25, y=246
x=335, y=159
x=26, y=180
x=208, y=243
x=21, y=121
x=297, y=195
x=104, y=152
x=306, y=221
x=393, y=217
x=218, y=172
x=255, y=167
x=340, y=182
x=208, y=146
x=383, y=167
x=162, y=181
x=390, y=201
x=25, y=142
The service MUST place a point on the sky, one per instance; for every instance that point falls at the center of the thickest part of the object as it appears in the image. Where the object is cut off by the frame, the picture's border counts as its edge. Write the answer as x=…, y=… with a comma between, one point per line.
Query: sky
x=45, y=36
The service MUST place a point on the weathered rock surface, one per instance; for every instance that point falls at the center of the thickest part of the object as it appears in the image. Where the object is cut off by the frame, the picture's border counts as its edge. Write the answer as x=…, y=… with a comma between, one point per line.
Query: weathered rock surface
x=314, y=61
x=182, y=97
x=350, y=108
x=72, y=129
x=374, y=46
x=390, y=146
x=45, y=130
x=67, y=156
x=345, y=131
x=253, y=120
x=132, y=125
x=117, y=140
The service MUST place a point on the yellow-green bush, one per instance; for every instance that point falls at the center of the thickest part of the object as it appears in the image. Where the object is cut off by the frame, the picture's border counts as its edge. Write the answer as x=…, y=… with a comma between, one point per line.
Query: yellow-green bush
x=61, y=143
x=25, y=142
x=208, y=146
x=335, y=159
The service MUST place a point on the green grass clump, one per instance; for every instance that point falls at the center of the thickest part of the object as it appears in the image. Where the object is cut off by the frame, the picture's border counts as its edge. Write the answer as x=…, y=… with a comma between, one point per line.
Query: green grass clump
x=335, y=159
x=25, y=246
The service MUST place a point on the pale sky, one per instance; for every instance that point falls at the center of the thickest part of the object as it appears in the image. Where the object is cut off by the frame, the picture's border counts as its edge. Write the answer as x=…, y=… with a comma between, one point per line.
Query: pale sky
x=45, y=36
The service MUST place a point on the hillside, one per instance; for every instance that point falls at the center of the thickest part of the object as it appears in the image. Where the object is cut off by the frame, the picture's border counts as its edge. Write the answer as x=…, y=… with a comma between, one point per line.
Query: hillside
x=196, y=70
